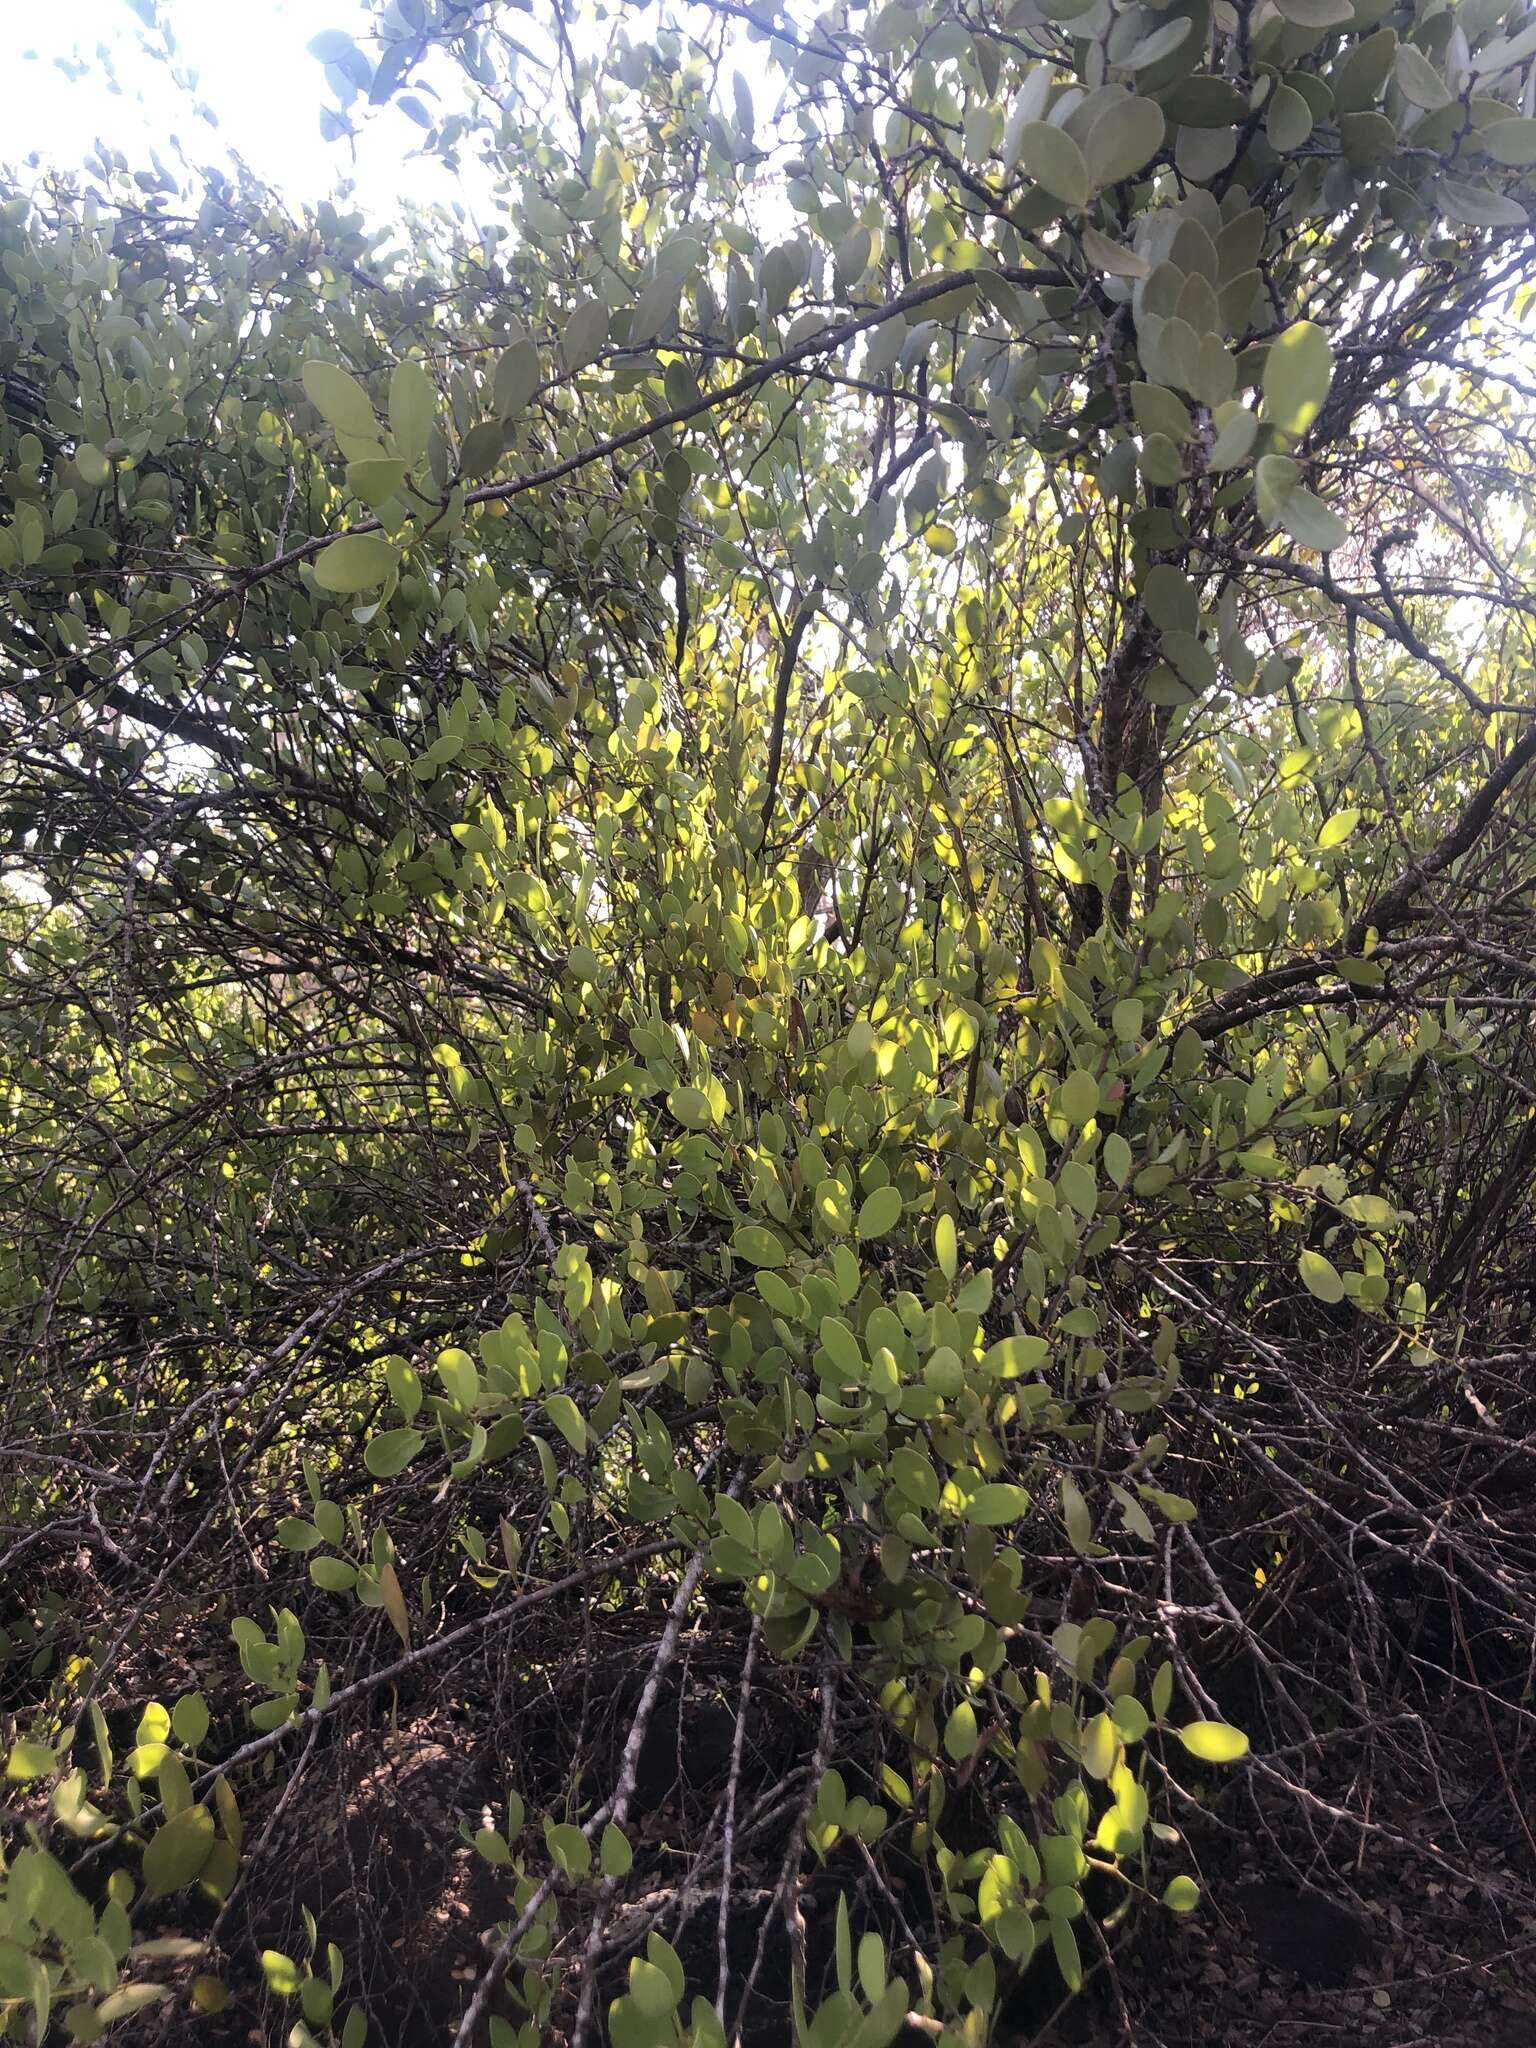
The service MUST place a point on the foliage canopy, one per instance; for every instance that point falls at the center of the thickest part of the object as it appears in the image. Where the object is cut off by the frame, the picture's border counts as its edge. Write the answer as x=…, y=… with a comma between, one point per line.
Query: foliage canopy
x=767, y=917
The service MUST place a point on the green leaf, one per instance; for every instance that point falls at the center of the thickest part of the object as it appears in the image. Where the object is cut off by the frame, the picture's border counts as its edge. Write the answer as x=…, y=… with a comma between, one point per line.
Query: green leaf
x=1320, y=1277
x=1275, y=477
x=1213, y=1742
x=1160, y=461
x=1473, y=206
x=945, y=1248
x=1130, y=1717
x=376, y=480
x=880, y=1212
x=1124, y=139
x=176, y=1855
x=1100, y=1747
x=960, y=1732
x=1317, y=14
x=1011, y=1357
x=1181, y=1894
x=294, y=1534
x=758, y=1245
x=1338, y=828
x=996, y=1504
x=519, y=374
x=1297, y=373
x=339, y=399
x=190, y=1720
x=412, y=409
x=854, y=255
x=282, y=1973
x=1310, y=521
x=568, y=1419
x=358, y=561
x=1075, y=1513
x=481, y=450
x=1507, y=142
x=393, y=1600
x=871, y=1964
x=651, y=1989
x=1068, y=1961
x=691, y=1108
x=333, y=1574
x=29, y=1760
x=1054, y=161
x=1162, y=1691
x=1237, y=429
x=129, y=1999
x=405, y=1391
x=1117, y=1159
x=615, y=1857
x=1363, y=71
x=1173, y=605
x=1419, y=81
x=1115, y=259
x=93, y=465
x=1287, y=119
x=392, y=1451
x=1161, y=411
x=584, y=334
x=570, y=1848
x=1078, y=1096
x=1159, y=43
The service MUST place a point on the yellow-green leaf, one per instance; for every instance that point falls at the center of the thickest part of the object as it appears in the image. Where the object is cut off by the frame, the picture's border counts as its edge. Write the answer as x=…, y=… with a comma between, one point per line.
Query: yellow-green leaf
x=758, y=1245
x=1338, y=828
x=1297, y=373
x=880, y=1212
x=945, y=1249
x=960, y=1736
x=1100, y=1746
x=178, y=1852
x=614, y=1855
x=1214, y=1742
x=1320, y=1277
x=29, y=1760
x=995, y=1504
x=568, y=1419
x=691, y=1107
x=1078, y=1096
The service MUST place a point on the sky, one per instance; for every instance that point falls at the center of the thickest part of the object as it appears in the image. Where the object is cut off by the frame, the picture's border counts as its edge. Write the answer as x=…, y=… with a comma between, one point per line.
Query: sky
x=253, y=70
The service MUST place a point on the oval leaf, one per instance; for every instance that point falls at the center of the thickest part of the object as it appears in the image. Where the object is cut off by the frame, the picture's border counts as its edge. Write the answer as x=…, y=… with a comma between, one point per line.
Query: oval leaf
x=392, y=1451
x=994, y=1505
x=1214, y=1742
x=1320, y=1277
x=1054, y=161
x=339, y=399
x=358, y=561
x=176, y=1855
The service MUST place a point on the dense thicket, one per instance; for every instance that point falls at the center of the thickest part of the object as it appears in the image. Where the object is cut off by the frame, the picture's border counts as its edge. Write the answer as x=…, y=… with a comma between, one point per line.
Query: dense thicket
x=765, y=1018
